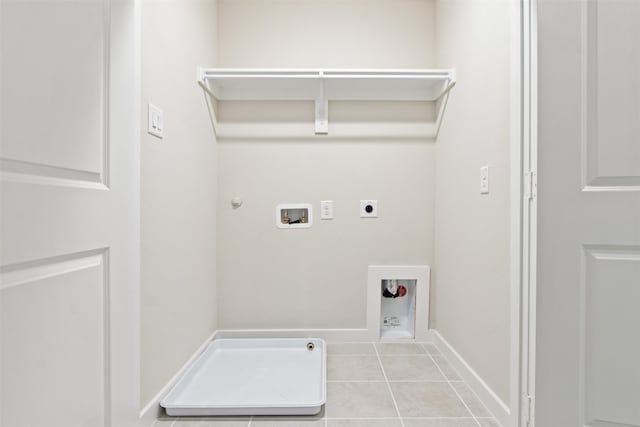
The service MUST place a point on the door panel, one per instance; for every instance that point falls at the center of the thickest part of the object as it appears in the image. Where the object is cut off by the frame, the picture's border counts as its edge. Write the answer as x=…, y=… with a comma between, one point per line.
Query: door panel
x=53, y=51
x=611, y=65
x=588, y=274
x=609, y=318
x=69, y=222
x=54, y=340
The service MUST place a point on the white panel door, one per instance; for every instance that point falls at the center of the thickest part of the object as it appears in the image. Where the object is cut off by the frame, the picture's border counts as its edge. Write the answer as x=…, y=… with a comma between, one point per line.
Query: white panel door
x=588, y=299
x=69, y=214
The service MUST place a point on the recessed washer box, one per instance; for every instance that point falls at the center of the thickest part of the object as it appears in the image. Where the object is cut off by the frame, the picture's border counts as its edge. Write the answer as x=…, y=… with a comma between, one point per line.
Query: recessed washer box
x=294, y=215
x=398, y=302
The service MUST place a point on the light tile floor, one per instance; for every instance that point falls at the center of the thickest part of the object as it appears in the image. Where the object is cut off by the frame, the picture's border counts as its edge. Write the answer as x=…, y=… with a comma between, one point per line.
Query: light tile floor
x=378, y=385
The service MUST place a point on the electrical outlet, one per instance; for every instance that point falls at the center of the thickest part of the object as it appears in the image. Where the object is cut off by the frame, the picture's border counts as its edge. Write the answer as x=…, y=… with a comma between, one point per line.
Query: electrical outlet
x=368, y=208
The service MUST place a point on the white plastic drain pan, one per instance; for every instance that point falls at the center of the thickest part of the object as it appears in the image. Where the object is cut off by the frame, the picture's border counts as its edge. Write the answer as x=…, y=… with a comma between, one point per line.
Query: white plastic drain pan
x=253, y=377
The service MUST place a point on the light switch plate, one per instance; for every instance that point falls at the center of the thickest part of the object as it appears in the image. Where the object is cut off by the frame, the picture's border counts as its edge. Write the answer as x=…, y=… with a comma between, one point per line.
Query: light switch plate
x=484, y=180
x=156, y=121
x=326, y=209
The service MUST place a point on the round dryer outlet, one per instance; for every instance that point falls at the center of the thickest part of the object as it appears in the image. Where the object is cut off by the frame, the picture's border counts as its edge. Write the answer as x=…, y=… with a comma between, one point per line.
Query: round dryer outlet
x=368, y=208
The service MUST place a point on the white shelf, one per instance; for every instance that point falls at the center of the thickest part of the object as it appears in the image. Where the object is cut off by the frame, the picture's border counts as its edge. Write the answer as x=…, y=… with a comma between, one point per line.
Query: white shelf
x=322, y=86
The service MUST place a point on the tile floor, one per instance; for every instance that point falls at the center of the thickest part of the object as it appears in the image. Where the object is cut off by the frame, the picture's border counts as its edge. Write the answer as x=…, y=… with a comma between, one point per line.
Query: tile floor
x=378, y=385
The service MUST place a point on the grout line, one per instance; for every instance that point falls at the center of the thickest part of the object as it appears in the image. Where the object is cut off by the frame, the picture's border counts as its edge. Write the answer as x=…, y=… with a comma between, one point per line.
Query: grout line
x=460, y=380
x=407, y=418
x=455, y=391
x=326, y=387
x=365, y=418
x=406, y=355
x=439, y=418
x=352, y=354
x=392, y=381
x=393, y=398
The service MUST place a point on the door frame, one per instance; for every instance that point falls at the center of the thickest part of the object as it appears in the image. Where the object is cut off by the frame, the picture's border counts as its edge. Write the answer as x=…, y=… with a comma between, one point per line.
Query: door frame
x=524, y=161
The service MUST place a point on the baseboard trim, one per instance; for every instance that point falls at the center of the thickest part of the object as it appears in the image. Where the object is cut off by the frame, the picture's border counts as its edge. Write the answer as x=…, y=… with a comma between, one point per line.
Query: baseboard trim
x=329, y=335
x=149, y=414
x=494, y=404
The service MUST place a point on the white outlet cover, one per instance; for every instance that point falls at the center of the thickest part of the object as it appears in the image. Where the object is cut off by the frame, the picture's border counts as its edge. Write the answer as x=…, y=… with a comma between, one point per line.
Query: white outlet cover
x=373, y=204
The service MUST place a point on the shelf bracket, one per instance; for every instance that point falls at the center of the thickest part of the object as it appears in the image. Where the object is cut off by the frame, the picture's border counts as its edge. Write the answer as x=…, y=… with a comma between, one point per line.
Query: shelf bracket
x=322, y=109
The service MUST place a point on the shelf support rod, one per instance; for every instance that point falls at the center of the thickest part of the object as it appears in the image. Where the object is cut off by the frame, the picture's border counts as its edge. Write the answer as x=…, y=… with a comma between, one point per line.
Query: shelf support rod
x=442, y=106
x=442, y=102
x=322, y=108
x=210, y=99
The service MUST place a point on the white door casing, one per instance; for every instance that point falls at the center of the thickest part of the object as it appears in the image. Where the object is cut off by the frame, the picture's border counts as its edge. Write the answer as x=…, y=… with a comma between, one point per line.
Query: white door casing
x=524, y=249
x=588, y=275
x=69, y=213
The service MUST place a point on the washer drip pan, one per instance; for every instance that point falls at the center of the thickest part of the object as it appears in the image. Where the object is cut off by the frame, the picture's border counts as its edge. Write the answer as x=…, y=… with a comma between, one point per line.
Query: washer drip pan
x=253, y=377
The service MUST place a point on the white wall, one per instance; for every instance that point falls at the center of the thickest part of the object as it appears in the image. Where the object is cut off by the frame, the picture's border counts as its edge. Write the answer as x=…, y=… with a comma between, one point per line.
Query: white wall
x=326, y=33
x=317, y=278
x=178, y=185
x=470, y=289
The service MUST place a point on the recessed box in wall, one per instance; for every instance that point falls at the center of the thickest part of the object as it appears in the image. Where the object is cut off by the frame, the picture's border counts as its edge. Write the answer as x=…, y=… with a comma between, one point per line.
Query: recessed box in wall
x=398, y=308
x=398, y=302
x=294, y=215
